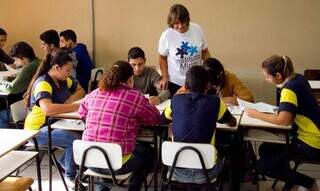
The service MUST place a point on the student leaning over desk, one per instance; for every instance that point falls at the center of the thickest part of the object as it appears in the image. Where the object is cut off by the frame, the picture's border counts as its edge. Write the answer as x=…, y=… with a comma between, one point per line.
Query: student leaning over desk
x=114, y=113
x=24, y=57
x=298, y=107
x=51, y=92
x=146, y=79
x=224, y=83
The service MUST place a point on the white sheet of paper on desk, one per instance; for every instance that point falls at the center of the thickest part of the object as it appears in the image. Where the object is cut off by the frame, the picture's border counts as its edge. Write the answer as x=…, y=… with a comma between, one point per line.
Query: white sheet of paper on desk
x=235, y=110
x=262, y=107
x=163, y=105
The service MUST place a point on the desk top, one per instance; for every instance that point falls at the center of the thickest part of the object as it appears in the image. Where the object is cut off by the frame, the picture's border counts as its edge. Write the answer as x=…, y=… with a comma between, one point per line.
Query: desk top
x=248, y=122
x=225, y=127
x=4, y=94
x=314, y=84
x=10, y=139
x=69, y=124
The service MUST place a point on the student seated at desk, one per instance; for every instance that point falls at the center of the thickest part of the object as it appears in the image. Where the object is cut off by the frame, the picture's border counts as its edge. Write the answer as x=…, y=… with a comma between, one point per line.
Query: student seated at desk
x=51, y=92
x=146, y=79
x=194, y=115
x=298, y=107
x=224, y=83
x=24, y=56
x=4, y=58
x=113, y=114
x=68, y=39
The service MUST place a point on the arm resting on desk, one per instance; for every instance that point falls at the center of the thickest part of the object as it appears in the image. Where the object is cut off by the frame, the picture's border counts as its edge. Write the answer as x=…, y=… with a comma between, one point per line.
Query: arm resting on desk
x=282, y=118
x=50, y=108
x=78, y=94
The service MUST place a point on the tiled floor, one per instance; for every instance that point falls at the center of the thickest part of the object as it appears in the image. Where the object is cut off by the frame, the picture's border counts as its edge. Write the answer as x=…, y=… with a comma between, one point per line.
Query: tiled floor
x=312, y=170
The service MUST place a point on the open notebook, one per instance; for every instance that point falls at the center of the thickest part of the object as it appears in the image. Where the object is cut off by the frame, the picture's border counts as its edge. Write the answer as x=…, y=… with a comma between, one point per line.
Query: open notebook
x=261, y=106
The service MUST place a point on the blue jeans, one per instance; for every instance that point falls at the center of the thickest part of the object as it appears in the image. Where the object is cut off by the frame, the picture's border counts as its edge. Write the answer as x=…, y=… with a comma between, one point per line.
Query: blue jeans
x=197, y=176
x=140, y=162
x=64, y=139
x=4, y=121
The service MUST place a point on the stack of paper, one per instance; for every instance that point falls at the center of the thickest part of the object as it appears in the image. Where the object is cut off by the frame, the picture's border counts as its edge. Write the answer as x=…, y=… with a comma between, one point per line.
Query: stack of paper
x=262, y=107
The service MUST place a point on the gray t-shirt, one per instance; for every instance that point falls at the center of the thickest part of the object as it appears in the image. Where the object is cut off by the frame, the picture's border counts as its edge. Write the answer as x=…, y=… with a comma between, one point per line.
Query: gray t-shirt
x=147, y=83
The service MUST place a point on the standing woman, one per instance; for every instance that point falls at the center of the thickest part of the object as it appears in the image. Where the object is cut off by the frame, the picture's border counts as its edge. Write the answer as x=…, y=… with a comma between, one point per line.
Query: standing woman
x=298, y=107
x=113, y=114
x=182, y=45
x=51, y=92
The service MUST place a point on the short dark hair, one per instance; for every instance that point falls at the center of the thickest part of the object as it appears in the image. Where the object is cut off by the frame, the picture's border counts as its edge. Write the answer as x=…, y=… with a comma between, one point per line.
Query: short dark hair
x=136, y=52
x=216, y=71
x=69, y=35
x=50, y=37
x=2, y=32
x=197, y=79
x=178, y=12
x=22, y=50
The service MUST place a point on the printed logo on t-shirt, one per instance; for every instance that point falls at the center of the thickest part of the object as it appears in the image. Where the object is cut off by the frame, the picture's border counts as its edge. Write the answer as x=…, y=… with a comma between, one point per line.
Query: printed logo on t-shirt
x=188, y=55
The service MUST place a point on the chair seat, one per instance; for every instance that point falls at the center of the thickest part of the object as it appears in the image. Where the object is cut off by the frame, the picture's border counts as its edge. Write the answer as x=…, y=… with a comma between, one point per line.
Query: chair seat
x=16, y=184
x=89, y=172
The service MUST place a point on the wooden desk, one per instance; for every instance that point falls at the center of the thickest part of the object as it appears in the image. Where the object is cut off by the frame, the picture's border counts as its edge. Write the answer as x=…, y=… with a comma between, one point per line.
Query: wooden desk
x=11, y=139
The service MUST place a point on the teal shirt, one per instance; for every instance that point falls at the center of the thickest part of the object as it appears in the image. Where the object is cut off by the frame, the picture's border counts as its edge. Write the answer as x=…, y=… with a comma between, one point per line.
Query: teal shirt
x=23, y=79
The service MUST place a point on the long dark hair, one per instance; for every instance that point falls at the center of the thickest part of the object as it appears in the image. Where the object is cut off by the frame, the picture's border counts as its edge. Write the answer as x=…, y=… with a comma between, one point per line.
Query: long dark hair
x=279, y=64
x=121, y=71
x=59, y=57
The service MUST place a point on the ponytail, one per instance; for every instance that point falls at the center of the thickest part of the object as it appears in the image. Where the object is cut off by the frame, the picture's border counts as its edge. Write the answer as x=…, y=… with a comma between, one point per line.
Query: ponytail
x=279, y=64
x=42, y=69
x=59, y=57
x=120, y=72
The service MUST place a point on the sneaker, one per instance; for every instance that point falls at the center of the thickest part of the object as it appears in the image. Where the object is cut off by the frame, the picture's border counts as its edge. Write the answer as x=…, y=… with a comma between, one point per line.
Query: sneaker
x=70, y=182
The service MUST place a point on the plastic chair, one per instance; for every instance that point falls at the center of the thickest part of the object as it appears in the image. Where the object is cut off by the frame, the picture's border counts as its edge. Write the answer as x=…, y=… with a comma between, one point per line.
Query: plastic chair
x=96, y=75
x=18, y=113
x=193, y=156
x=98, y=155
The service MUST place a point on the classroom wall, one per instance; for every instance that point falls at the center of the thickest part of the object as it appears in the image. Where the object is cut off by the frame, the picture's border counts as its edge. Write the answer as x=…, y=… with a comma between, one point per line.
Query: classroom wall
x=241, y=33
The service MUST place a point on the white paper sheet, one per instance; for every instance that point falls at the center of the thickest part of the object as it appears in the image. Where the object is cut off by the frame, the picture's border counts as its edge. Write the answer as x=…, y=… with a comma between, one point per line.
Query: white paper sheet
x=261, y=106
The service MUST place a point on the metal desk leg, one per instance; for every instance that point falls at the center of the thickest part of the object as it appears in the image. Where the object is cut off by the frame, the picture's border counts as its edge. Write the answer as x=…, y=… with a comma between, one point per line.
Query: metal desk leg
x=37, y=163
x=288, y=161
x=155, y=139
x=49, y=153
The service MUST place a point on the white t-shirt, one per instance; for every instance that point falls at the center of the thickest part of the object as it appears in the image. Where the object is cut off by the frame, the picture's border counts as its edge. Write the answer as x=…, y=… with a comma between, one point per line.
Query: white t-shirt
x=183, y=51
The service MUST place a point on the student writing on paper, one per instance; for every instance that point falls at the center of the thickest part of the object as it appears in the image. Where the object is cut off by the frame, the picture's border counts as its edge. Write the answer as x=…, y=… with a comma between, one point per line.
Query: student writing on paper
x=298, y=107
x=24, y=56
x=113, y=114
x=49, y=93
x=224, y=83
x=146, y=79
x=194, y=115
